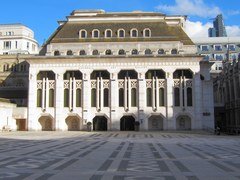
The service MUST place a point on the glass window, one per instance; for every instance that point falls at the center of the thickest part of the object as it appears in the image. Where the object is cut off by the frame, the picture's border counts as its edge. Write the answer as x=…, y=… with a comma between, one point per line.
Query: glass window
x=149, y=97
x=108, y=33
x=174, y=51
x=95, y=34
x=176, y=97
x=134, y=52
x=161, y=51
x=121, y=97
x=121, y=52
x=56, y=53
x=66, y=97
x=148, y=51
x=108, y=52
x=134, y=33
x=204, y=48
x=69, y=53
x=147, y=33
x=231, y=47
x=83, y=34
x=121, y=33
x=39, y=98
x=133, y=97
x=93, y=97
x=218, y=48
x=161, y=97
x=95, y=52
x=78, y=98
x=51, y=98
x=189, y=96
x=219, y=57
x=106, y=98
x=7, y=44
x=82, y=53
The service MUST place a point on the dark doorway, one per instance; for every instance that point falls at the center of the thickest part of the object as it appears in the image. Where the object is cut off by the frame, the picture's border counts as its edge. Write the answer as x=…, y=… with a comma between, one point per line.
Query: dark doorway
x=100, y=123
x=127, y=123
x=21, y=124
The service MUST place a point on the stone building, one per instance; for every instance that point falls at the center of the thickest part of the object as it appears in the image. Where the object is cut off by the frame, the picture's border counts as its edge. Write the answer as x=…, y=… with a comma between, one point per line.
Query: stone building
x=17, y=39
x=117, y=70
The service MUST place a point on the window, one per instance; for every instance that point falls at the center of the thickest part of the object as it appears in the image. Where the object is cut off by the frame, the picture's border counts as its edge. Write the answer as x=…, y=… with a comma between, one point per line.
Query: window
x=121, y=52
x=189, y=96
x=69, y=53
x=174, y=51
x=28, y=45
x=134, y=52
x=82, y=53
x=161, y=51
x=16, y=44
x=146, y=33
x=148, y=51
x=219, y=57
x=218, y=47
x=161, y=97
x=95, y=52
x=121, y=33
x=134, y=33
x=149, y=97
x=108, y=33
x=93, y=97
x=83, y=34
x=108, y=52
x=39, y=98
x=231, y=47
x=204, y=48
x=78, y=98
x=176, y=97
x=51, y=98
x=95, y=33
x=121, y=97
x=7, y=44
x=56, y=53
x=106, y=98
x=133, y=97
x=66, y=97
x=5, y=67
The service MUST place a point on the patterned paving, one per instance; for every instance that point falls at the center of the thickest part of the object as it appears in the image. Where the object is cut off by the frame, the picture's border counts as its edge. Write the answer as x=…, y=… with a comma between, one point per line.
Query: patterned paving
x=118, y=156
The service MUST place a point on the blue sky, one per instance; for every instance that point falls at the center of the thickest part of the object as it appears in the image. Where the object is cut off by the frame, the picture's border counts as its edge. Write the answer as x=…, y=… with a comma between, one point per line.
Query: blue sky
x=42, y=16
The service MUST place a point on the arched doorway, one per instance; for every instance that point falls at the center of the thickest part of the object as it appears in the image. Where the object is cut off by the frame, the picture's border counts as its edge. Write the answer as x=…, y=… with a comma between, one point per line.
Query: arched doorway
x=46, y=123
x=73, y=123
x=127, y=123
x=100, y=123
x=183, y=122
x=155, y=123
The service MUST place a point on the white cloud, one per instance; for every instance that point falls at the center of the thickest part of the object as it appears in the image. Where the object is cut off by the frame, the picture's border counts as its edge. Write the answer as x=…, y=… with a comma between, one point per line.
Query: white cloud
x=198, y=29
x=191, y=7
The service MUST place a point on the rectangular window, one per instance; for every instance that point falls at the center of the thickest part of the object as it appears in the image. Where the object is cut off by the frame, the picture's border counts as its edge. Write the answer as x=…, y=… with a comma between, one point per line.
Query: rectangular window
x=205, y=48
x=27, y=45
x=16, y=44
x=218, y=48
x=231, y=47
x=7, y=44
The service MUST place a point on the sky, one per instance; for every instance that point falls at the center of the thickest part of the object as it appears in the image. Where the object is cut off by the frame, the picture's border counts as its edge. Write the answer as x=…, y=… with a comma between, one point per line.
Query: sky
x=42, y=16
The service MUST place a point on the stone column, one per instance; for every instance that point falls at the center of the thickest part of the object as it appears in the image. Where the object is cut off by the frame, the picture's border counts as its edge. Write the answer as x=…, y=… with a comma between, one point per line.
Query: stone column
x=86, y=106
x=170, y=122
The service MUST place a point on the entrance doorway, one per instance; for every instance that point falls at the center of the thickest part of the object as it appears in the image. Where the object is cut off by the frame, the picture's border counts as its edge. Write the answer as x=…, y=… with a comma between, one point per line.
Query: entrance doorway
x=100, y=123
x=155, y=123
x=21, y=124
x=127, y=123
x=183, y=123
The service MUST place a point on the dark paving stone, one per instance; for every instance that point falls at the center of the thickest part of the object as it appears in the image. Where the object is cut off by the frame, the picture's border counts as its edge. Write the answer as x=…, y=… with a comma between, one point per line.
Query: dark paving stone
x=105, y=165
x=123, y=165
x=192, y=178
x=45, y=176
x=96, y=177
x=162, y=166
x=181, y=167
x=224, y=168
x=66, y=164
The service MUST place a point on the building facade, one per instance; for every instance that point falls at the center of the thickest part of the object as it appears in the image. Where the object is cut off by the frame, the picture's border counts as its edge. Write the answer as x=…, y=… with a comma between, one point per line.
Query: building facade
x=117, y=70
x=218, y=29
x=17, y=39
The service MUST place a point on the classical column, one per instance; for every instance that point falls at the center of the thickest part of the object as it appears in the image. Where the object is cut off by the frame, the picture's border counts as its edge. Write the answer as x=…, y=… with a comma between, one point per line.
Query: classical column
x=86, y=97
x=101, y=93
x=157, y=94
x=170, y=122
x=74, y=94
x=43, y=92
x=129, y=93
x=47, y=94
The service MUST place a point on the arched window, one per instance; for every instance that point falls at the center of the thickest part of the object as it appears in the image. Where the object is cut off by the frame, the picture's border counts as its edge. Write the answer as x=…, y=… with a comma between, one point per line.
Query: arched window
x=95, y=33
x=106, y=98
x=121, y=52
x=134, y=52
x=5, y=67
x=66, y=97
x=183, y=73
x=69, y=53
x=95, y=52
x=189, y=96
x=146, y=33
x=82, y=53
x=176, y=96
x=83, y=33
x=148, y=52
x=174, y=51
x=133, y=97
x=51, y=97
x=121, y=33
x=108, y=52
x=134, y=33
x=39, y=98
x=93, y=97
x=161, y=51
x=14, y=67
x=161, y=97
x=149, y=97
x=121, y=97
x=78, y=98
x=56, y=53
x=108, y=33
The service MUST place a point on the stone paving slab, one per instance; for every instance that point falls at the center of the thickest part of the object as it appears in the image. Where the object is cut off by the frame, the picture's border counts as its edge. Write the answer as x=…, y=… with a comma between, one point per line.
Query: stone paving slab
x=118, y=156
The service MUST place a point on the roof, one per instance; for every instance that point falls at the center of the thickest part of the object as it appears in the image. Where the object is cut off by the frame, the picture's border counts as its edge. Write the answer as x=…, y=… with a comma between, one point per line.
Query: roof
x=160, y=31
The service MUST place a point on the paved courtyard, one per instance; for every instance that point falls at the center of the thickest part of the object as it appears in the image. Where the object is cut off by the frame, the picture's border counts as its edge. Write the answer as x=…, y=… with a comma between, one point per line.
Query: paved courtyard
x=118, y=156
